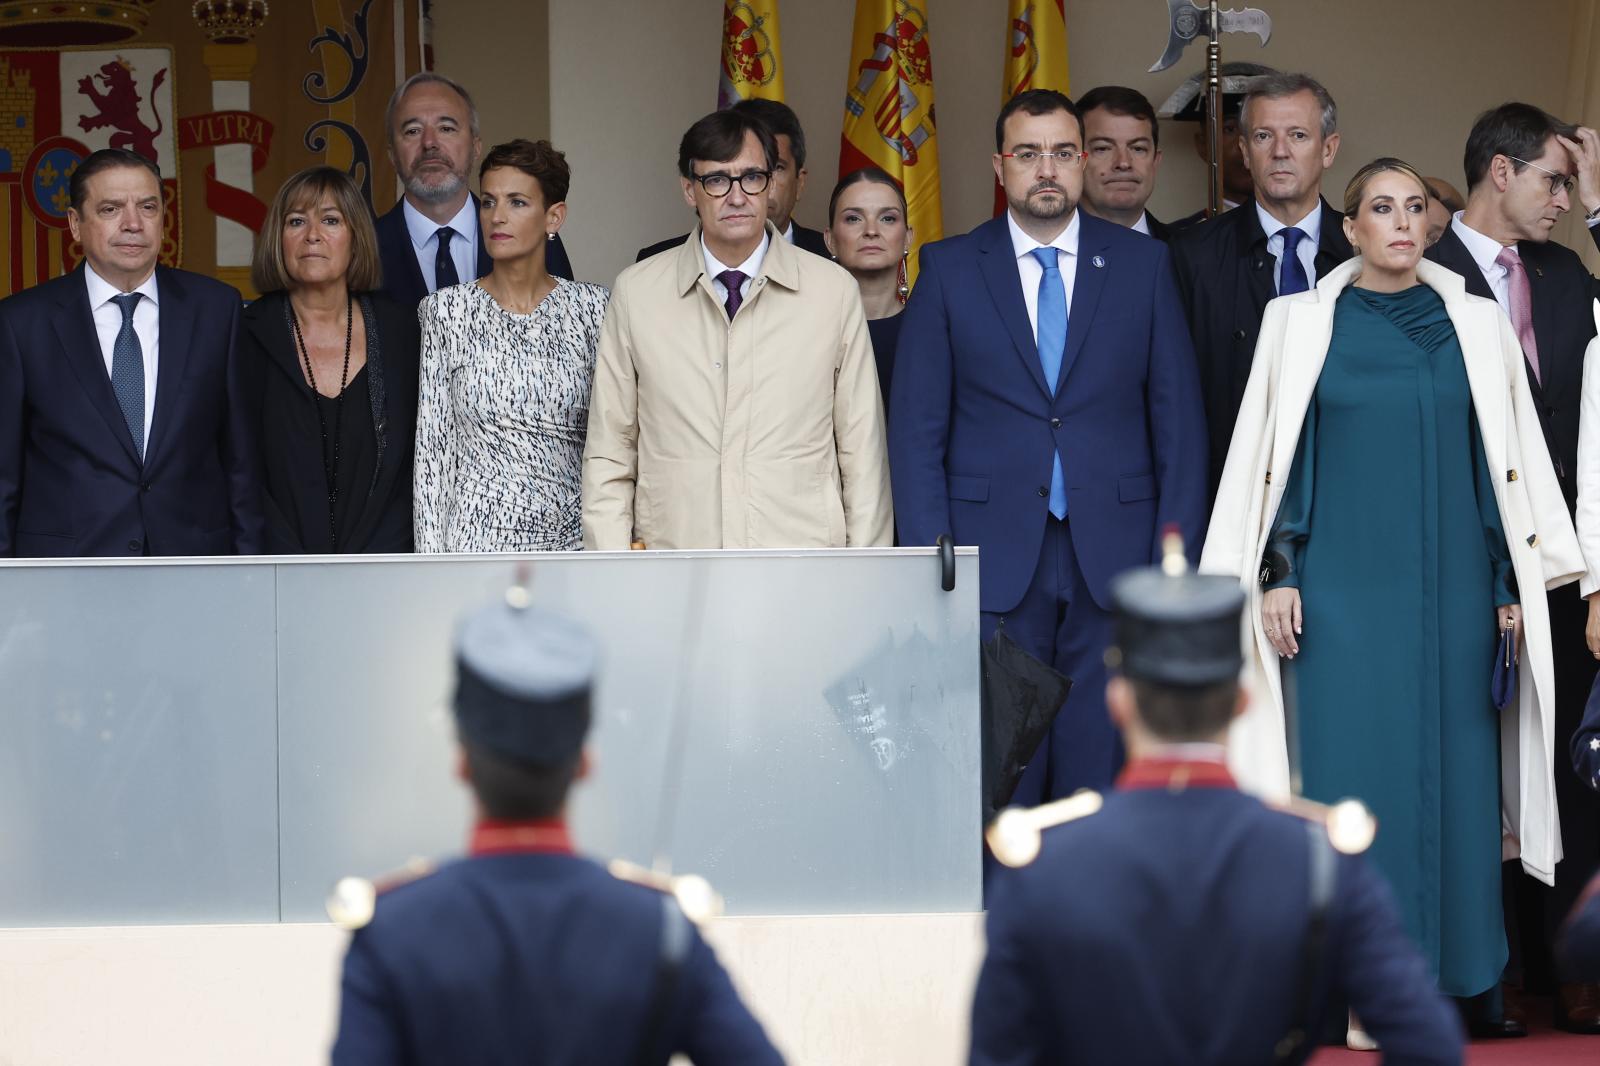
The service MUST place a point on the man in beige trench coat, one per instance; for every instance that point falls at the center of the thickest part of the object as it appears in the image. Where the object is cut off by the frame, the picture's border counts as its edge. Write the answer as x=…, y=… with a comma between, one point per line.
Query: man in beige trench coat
x=735, y=400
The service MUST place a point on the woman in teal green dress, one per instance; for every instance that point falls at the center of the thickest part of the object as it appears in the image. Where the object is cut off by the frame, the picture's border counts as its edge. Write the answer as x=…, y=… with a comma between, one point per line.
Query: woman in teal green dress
x=1390, y=529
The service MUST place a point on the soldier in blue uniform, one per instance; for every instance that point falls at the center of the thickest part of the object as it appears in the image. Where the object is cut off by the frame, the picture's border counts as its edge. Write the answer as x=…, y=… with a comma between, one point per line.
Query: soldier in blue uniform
x=524, y=951
x=1178, y=920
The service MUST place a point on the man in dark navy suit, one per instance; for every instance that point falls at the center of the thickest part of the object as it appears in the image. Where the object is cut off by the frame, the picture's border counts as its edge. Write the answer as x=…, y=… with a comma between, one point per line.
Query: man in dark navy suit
x=1177, y=919
x=431, y=238
x=122, y=428
x=1048, y=412
x=524, y=951
x=788, y=179
x=1524, y=169
x=1123, y=139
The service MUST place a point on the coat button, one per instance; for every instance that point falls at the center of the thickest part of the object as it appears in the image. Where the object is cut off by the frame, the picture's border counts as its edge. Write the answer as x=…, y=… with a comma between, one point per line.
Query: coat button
x=144, y=486
x=1043, y=491
x=135, y=546
x=1055, y=423
x=1238, y=334
x=1511, y=475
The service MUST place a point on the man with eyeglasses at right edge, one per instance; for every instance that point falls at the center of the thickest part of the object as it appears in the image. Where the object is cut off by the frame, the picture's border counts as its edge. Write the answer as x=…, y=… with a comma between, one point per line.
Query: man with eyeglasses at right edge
x=1524, y=167
x=735, y=400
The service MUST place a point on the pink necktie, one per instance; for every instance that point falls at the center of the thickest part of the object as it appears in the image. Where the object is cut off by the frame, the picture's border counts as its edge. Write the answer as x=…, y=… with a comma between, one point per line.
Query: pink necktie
x=1521, y=306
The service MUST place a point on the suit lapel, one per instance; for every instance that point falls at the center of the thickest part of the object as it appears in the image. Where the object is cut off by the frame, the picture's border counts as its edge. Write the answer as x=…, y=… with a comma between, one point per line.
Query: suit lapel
x=1553, y=375
x=999, y=268
x=1453, y=255
x=81, y=344
x=1089, y=281
x=172, y=358
x=402, y=256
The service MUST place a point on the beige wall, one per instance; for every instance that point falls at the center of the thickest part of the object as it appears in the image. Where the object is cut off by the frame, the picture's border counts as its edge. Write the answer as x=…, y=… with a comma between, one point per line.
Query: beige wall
x=1409, y=77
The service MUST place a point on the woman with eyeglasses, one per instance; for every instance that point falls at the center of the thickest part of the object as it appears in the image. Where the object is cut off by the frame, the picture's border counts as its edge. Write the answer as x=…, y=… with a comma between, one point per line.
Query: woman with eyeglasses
x=1389, y=501
x=869, y=236
x=507, y=366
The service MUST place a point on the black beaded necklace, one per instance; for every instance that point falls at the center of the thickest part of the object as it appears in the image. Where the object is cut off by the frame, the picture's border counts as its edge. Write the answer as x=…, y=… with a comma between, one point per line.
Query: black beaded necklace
x=330, y=466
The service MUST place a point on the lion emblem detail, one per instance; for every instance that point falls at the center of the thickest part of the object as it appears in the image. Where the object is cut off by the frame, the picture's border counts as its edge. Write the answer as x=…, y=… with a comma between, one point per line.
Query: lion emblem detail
x=119, y=107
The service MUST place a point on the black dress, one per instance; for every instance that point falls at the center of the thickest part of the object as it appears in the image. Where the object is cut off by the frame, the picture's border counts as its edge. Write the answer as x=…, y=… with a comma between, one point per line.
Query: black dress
x=374, y=434
x=885, y=334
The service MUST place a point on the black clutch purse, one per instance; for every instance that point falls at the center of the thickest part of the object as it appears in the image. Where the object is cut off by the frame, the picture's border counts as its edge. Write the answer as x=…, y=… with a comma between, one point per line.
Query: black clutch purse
x=1503, y=682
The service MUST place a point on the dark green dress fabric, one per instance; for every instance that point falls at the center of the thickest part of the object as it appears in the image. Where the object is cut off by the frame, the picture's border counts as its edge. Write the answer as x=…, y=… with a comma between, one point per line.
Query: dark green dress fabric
x=1391, y=530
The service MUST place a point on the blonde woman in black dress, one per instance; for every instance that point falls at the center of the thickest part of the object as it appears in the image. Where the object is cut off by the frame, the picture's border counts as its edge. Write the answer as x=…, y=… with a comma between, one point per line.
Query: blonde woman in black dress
x=507, y=364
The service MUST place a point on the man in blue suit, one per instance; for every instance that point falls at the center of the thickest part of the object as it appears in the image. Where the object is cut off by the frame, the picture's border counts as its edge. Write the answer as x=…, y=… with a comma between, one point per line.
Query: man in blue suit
x=122, y=427
x=1048, y=412
x=1178, y=919
x=431, y=238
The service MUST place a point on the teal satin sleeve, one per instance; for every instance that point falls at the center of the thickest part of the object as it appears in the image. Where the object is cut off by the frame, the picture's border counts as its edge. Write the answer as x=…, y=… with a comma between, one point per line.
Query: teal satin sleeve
x=1494, y=534
x=1280, y=566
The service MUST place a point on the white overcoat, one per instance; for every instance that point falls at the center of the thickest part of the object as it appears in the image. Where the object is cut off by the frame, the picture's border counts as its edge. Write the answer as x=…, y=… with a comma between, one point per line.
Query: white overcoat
x=1295, y=333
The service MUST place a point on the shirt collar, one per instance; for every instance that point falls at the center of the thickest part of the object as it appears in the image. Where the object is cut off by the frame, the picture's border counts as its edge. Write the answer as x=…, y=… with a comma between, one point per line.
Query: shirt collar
x=1022, y=244
x=1311, y=225
x=542, y=836
x=101, y=290
x=749, y=268
x=1143, y=225
x=421, y=227
x=788, y=234
x=1483, y=248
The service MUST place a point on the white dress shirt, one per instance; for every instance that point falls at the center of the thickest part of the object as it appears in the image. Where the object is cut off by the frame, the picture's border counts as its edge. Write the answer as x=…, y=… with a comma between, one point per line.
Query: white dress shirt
x=788, y=234
x=424, y=233
x=1306, y=251
x=1484, y=250
x=1030, y=272
x=1143, y=225
x=146, y=325
x=749, y=268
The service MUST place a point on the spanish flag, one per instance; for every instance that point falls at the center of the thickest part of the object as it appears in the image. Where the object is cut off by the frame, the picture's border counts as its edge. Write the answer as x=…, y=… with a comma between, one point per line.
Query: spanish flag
x=750, y=64
x=889, y=120
x=1036, y=56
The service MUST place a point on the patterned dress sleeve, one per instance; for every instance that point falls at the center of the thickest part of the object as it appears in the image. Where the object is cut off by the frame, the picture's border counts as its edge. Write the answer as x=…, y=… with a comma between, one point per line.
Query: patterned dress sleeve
x=433, y=482
x=1280, y=565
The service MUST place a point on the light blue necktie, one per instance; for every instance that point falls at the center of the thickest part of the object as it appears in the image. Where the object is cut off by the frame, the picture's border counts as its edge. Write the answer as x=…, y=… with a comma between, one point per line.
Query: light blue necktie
x=127, y=371
x=1292, y=273
x=1052, y=347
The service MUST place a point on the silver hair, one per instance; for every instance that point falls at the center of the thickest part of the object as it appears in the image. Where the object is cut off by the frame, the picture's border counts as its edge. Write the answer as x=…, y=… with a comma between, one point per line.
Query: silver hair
x=428, y=77
x=1277, y=86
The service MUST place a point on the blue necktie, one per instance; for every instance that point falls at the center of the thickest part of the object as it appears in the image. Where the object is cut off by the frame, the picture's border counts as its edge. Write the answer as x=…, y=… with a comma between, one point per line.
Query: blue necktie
x=444, y=264
x=127, y=371
x=1292, y=272
x=1052, y=347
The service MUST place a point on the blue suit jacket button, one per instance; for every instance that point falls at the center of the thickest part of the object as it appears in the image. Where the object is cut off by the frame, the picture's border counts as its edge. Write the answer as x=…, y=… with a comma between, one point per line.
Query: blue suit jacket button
x=1044, y=490
x=1055, y=423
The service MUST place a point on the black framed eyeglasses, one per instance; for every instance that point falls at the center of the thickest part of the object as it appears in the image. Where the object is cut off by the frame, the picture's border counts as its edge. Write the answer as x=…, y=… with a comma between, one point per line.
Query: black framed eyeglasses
x=1558, y=180
x=719, y=183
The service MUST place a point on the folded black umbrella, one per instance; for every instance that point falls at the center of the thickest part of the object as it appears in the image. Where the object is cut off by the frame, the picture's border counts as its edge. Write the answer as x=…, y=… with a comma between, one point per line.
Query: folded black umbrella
x=1020, y=698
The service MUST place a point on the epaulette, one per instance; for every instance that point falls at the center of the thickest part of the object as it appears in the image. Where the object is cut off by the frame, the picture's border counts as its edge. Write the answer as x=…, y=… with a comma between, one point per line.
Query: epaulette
x=1014, y=835
x=696, y=898
x=1350, y=824
x=354, y=900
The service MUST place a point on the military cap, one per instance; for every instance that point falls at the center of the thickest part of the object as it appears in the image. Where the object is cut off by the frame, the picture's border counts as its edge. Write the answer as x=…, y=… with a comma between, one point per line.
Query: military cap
x=524, y=679
x=1187, y=103
x=1174, y=627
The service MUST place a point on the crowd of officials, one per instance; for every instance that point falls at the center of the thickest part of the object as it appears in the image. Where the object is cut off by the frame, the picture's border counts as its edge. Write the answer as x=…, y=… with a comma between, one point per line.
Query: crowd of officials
x=1376, y=421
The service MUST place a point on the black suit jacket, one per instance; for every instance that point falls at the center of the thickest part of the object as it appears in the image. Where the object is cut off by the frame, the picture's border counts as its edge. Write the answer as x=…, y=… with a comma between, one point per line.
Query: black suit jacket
x=1225, y=277
x=402, y=276
x=809, y=239
x=1563, y=324
x=71, y=480
x=267, y=348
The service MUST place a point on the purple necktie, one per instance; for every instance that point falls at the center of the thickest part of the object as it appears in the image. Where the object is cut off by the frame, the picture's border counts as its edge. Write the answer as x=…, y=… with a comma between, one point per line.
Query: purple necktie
x=1521, y=306
x=732, y=280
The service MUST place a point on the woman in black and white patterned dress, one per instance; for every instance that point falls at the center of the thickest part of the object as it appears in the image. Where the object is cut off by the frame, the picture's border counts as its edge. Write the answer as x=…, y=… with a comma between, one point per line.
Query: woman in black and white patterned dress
x=507, y=363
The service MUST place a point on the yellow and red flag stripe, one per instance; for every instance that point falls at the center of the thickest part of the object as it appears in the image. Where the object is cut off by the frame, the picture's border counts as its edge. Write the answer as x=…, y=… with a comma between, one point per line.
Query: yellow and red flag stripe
x=752, y=66
x=889, y=117
x=1036, y=56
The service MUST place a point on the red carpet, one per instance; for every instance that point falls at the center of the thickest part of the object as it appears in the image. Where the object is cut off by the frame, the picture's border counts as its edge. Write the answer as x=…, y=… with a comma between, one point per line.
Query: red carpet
x=1543, y=1046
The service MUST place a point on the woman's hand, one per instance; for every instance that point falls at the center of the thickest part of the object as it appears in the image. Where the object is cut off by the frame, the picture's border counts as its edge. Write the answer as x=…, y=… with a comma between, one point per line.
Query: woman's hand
x=1280, y=613
x=1591, y=631
x=1510, y=617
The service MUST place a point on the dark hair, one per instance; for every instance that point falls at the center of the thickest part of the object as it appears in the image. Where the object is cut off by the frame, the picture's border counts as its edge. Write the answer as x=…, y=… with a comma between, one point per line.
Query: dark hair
x=103, y=160
x=1277, y=86
x=1181, y=714
x=876, y=175
x=720, y=136
x=304, y=192
x=1437, y=191
x=1516, y=131
x=1121, y=100
x=517, y=791
x=1032, y=102
x=537, y=159
x=782, y=121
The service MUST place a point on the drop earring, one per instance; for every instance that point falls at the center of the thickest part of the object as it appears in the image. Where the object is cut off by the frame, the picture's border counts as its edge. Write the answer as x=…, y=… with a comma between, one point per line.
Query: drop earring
x=904, y=290
x=549, y=236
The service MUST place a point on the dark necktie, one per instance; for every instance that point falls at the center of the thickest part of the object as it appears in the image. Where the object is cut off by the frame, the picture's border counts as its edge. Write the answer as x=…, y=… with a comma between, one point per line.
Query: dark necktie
x=444, y=264
x=732, y=280
x=127, y=371
x=1292, y=272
